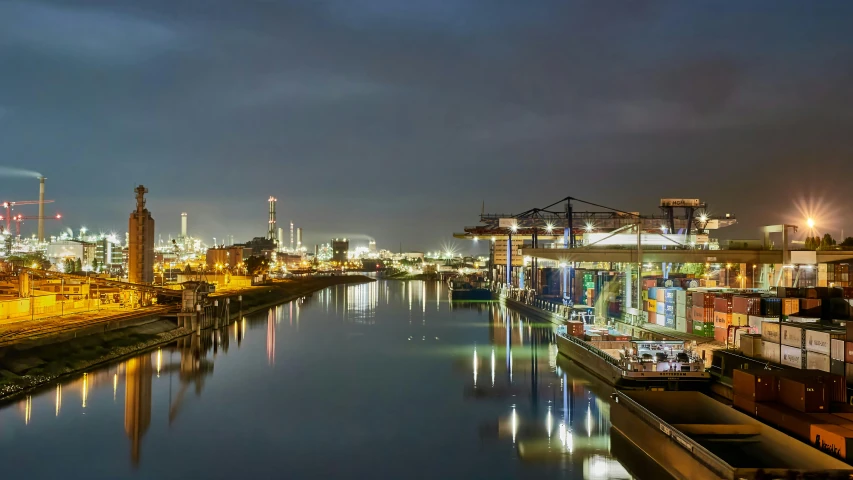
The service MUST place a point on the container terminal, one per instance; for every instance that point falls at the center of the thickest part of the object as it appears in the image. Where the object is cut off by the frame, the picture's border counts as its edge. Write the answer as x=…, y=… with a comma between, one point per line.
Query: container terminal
x=653, y=303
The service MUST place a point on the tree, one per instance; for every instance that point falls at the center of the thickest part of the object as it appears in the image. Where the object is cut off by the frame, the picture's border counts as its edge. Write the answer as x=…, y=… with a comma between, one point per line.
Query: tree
x=257, y=265
x=826, y=243
x=848, y=242
x=95, y=265
x=68, y=265
x=78, y=265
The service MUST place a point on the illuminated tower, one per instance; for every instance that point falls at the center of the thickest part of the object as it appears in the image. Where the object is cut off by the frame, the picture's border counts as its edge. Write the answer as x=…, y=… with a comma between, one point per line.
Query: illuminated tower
x=271, y=228
x=140, y=260
x=291, y=236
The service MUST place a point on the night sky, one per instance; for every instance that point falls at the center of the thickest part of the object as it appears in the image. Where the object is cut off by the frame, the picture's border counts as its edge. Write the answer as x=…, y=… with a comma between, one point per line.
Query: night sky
x=397, y=119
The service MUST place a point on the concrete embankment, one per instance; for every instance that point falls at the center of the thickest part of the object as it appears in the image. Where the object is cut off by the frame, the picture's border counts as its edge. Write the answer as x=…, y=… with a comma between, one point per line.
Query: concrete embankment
x=34, y=362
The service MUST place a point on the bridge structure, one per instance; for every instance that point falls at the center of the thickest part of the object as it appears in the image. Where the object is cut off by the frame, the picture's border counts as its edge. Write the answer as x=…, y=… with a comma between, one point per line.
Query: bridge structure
x=563, y=238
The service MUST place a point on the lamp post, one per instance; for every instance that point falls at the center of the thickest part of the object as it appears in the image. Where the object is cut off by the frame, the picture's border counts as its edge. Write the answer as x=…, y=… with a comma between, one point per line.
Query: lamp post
x=753, y=276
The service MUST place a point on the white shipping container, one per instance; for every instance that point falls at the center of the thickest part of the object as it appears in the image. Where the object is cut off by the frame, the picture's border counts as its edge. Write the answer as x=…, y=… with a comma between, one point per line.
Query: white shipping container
x=681, y=324
x=817, y=341
x=755, y=322
x=792, y=336
x=792, y=356
x=660, y=307
x=681, y=297
x=680, y=310
x=770, y=331
x=770, y=351
x=836, y=347
x=817, y=361
x=750, y=345
x=796, y=319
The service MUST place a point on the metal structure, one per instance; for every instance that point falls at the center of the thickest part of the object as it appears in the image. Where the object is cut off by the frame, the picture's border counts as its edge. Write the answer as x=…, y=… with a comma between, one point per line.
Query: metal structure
x=41, y=210
x=9, y=205
x=271, y=227
x=184, y=225
x=20, y=218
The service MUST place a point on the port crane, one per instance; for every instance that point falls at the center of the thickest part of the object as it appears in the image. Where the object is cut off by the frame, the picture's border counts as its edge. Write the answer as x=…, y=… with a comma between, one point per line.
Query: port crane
x=20, y=218
x=8, y=206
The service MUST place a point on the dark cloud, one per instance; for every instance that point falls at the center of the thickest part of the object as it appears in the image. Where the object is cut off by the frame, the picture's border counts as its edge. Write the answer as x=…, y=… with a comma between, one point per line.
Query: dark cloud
x=397, y=119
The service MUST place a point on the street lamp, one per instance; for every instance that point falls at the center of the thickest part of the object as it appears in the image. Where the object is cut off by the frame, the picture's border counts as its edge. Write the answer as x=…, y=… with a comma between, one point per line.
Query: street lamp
x=810, y=222
x=753, y=276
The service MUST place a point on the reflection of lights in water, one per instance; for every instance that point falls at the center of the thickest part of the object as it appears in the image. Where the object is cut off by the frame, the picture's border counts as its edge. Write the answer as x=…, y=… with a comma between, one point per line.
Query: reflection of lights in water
x=159, y=361
x=520, y=333
x=28, y=409
x=599, y=467
x=552, y=358
x=423, y=296
x=410, y=297
x=565, y=436
x=493, y=366
x=475, y=366
x=271, y=339
x=588, y=421
x=58, y=398
x=115, y=386
x=514, y=422
x=549, y=422
x=85, y=389
x=243, y=328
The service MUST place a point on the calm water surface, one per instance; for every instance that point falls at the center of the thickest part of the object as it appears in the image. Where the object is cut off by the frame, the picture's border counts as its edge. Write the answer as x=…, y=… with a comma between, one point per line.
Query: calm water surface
x=382, y=380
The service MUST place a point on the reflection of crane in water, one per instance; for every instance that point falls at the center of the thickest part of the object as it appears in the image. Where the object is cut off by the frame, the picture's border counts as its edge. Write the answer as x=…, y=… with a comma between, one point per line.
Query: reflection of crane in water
x=193, y=367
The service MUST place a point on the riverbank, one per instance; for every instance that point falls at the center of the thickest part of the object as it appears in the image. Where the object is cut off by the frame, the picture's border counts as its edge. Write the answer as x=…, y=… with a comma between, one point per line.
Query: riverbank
x=24, y=367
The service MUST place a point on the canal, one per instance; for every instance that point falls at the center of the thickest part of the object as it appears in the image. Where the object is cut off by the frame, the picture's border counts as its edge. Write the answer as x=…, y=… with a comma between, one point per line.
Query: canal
x=382, y=380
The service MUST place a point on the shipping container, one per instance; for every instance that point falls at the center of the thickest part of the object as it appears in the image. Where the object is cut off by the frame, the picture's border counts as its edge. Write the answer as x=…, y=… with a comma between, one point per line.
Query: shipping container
x=836, y=367
x=790, y=306
x=681, y=324
x=771, y=331
x=792, y=336
x=792, y=357
x=785, y=418
x=836, y=349
x=817, y=361
x=817, y=292
x=770, y=351
x=832, y=439
x=722, y=320
x=811, y=307
x=653, y=305
x=838, y=308
x=746, y=304
x=688, y=314
x=788, y=292
x=744, y=404
x=771, y=307
x=755, y=385
x=660, y=308
x=848, y=352
x=750, y=345
x=723, y=304
x=704, y=315
x=703, y=299
x=721, y=335
x=740, y=319
x=653, y=317
x=819, y=340
x=757, y=322
x=660, y=295
x=848, y=372
x=802, y=319
x=681, y=297
x=803, y=394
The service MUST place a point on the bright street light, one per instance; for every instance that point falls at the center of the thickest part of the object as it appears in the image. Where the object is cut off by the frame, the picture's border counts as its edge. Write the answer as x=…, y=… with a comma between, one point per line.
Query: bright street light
x=810, y=222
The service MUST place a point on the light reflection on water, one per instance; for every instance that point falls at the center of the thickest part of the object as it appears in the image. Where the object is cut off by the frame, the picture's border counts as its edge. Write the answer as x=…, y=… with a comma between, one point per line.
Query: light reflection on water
x=465, y=390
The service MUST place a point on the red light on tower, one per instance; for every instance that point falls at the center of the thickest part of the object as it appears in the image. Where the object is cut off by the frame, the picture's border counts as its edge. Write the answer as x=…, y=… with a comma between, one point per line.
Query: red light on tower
x=58, y=216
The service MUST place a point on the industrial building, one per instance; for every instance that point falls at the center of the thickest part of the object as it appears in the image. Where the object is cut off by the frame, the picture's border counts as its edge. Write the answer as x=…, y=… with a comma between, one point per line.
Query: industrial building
x=225, y=257
x=140, y=261
x=59, y=251
x=340, y=250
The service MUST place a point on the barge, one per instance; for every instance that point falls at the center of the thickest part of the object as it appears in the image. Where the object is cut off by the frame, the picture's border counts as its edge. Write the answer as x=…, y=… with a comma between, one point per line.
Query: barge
x=693, y=436
x=461, y=289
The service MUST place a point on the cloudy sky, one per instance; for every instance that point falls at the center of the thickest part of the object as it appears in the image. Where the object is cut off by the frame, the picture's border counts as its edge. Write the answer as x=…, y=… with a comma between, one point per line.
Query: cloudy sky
x=397, y=119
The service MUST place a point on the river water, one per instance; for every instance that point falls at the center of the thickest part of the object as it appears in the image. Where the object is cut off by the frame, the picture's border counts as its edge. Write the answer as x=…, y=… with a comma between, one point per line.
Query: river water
x=382, y=380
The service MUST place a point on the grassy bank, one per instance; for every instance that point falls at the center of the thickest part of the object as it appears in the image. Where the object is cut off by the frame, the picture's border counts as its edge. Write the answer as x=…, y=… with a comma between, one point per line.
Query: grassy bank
x=23, y=369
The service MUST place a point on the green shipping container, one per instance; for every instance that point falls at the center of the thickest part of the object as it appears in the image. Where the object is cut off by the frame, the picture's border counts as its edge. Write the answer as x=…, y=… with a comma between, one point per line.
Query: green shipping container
x=704, y=329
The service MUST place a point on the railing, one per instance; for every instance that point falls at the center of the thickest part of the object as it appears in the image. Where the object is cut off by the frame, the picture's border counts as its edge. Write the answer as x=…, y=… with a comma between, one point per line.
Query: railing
x=592, y=349
x=700, y=453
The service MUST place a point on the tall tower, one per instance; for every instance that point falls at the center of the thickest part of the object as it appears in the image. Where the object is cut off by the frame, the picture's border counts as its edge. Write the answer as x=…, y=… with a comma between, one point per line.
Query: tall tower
x=271, y=228
x=41, y=209
x=291, y=236
x=298, y=237
x=184, y=225
x=140, y=259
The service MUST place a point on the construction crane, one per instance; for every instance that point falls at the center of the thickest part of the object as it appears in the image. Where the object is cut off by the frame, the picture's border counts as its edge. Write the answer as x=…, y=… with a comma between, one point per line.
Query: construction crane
x=20, y=218
x=8, y=206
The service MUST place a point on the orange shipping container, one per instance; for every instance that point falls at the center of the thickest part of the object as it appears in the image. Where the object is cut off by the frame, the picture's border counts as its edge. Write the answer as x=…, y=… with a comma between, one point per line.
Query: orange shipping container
x=722, y=320
x=832, y=439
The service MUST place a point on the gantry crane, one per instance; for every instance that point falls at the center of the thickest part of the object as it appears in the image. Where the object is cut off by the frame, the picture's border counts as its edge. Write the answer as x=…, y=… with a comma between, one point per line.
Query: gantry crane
x=8, y=206
x=20, y=218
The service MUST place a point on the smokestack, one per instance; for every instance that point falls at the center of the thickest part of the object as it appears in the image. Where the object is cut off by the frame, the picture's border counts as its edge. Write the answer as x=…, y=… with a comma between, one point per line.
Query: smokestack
x=280, y=238
x=184, y=224
x=298, y=237
x=41, y=209
x=271, y=229
x=291, y=236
